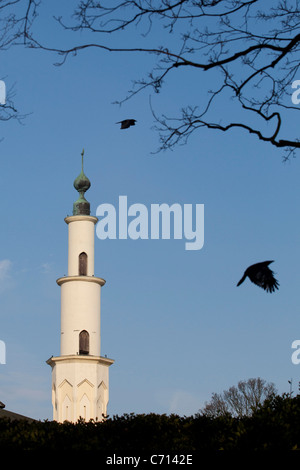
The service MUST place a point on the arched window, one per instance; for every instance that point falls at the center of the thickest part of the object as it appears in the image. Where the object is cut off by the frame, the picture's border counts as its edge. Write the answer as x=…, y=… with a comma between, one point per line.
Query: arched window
x=82, y=264
x=84, y=342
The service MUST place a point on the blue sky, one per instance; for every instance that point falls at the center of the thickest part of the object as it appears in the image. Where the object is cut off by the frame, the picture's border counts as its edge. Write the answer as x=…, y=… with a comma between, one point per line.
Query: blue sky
x=174, y=321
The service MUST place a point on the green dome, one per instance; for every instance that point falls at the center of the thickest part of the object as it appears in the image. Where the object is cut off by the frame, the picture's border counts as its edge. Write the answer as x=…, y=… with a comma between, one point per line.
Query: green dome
x=81, y=184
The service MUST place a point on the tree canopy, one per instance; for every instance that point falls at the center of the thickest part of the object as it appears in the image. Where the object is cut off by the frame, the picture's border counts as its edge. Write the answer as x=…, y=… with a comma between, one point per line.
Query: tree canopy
x=249, y=49
x=241, y=400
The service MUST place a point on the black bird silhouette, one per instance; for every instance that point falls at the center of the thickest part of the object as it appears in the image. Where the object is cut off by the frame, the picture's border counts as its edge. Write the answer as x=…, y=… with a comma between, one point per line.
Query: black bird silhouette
x=261, y=275
x=127, y=123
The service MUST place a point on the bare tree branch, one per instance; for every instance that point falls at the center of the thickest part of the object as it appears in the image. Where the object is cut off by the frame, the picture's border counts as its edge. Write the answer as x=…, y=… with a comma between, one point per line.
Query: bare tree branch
x=240, y=400
x=252, y=47
x=16, y=18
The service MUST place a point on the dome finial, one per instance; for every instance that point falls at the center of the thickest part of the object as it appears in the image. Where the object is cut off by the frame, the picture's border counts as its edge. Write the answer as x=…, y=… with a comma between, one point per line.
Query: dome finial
x=82, y=184
x=82, y=154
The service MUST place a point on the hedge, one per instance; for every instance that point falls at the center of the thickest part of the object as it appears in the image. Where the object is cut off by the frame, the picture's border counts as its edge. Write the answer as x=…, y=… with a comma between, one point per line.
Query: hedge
x=274, y=426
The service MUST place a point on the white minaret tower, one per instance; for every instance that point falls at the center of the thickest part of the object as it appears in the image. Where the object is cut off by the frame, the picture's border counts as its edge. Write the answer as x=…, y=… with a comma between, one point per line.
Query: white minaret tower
x=80, y=374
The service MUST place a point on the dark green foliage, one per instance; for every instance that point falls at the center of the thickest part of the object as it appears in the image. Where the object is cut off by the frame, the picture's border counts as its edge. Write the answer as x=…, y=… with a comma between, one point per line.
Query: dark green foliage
x=274, y=426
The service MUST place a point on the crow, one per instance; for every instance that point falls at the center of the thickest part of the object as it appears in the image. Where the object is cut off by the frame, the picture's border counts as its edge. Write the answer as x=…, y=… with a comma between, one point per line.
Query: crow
x=127, y=123
x=261, y=275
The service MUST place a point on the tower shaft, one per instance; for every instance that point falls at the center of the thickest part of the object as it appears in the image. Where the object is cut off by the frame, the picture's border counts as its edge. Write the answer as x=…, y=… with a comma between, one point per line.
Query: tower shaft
x=80, y=379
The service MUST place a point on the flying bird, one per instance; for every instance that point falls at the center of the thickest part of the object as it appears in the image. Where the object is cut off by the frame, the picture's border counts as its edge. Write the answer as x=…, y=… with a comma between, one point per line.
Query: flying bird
x=261, y=275
x=127, y=123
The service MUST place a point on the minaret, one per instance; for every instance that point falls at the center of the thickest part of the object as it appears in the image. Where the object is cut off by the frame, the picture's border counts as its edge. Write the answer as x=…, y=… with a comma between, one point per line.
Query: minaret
x=80, y=375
